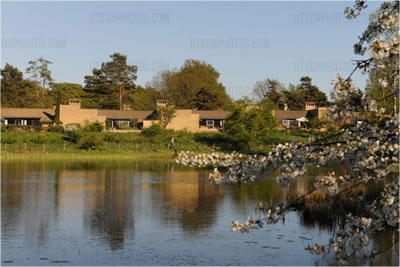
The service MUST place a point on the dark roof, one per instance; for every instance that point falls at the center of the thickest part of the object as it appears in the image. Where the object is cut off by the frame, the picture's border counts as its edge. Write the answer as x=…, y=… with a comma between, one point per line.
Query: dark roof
x=290, y=114
x=125, y=114
x=45, y=115
x=213, y=114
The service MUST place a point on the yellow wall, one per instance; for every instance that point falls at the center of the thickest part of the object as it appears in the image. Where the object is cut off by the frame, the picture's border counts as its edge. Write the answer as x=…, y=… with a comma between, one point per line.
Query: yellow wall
x=184, y=119
x=74, y=114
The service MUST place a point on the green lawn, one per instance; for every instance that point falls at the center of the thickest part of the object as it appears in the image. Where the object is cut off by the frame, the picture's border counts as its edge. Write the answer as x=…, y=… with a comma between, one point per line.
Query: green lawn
x=136, y=145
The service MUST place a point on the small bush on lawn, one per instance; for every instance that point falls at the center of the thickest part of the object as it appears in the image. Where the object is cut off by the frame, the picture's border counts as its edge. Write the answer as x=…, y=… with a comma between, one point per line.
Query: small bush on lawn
x=73, y=136
x=97, y=127
x=156, y=134
x=38, y=139
x=8, y=139
x=153, y=130
x=113, y=137
x=91, y=141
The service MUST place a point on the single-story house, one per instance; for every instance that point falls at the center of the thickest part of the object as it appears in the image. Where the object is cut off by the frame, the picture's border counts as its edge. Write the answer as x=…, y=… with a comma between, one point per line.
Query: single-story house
x=299, y=118
x=27, y=116
x=212, y=118
x=125, y=118
x=191, y=120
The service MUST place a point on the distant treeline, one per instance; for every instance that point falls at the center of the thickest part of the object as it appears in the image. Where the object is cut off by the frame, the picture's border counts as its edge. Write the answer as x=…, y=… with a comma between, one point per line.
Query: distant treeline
x=111, y=86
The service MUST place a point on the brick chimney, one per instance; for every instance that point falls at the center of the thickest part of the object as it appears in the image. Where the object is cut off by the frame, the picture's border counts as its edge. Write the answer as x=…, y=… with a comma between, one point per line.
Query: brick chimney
x=126, y=107
x=75, y=103
x=161, y=103
x=310, y=106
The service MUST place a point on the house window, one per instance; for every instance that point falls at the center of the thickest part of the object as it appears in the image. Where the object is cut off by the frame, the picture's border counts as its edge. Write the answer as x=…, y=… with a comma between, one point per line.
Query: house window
x=18, y=122
x=286, y=122
x=118, y=124
x=210, y=123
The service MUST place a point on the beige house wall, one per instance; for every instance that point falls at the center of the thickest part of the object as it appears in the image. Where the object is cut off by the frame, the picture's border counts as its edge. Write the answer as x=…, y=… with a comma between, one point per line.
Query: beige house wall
x=74, y=114
x=184, y=119
x=148, y=123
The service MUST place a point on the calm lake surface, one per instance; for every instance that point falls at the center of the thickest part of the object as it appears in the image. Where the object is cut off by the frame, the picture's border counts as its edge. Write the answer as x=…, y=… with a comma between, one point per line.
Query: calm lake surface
x=125, y=212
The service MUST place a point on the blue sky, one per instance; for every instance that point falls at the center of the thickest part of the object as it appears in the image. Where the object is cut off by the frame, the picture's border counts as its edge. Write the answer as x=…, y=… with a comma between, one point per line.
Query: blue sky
x=245, y=41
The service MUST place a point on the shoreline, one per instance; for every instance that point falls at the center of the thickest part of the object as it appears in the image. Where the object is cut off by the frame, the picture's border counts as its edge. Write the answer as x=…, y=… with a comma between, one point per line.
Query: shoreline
x=162, y=155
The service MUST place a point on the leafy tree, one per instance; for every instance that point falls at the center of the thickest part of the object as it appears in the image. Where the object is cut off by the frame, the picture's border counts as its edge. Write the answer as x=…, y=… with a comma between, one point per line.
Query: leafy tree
x=206, y=100
x=112, y=82
x=272, y=90
x=346, y=95
x=15, y=91
x=40, y=73
x=67, y=91
x=294, y=97
x=181, y=86
x=39, y=70
x=247, y=126
x=245, y=101
x=165, y=114
x=311, y=92
x=144, y=98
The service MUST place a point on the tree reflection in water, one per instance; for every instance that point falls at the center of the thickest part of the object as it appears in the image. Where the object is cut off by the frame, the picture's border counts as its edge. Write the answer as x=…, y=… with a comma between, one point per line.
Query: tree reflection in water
x=118, y=205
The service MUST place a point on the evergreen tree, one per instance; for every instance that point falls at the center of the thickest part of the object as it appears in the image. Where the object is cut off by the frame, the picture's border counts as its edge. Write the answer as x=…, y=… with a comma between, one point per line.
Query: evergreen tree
x=110, y=84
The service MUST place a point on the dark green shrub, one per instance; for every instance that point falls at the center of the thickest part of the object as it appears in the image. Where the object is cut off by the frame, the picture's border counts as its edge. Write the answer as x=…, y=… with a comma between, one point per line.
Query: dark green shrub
x=157, y=135
x=222, y=140
x=153, y=130
x=56, y=129
x=113, y=137
x=38, y=139
x=8, y=139
x=3, y=128
x=37, y=128
x=54, y=138
x=73, y=136
x=91, y=141
x=108, y=124
x=97, y=127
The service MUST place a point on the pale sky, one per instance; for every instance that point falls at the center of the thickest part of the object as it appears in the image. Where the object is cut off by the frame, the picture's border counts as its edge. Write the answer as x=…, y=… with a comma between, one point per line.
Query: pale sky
x=245, y=41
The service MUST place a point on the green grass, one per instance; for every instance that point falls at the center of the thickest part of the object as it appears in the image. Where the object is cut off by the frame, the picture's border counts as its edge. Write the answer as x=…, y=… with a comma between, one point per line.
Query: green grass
x=148, y=144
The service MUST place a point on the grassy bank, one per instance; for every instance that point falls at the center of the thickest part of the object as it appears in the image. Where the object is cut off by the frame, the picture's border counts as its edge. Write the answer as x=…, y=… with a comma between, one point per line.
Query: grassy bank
x=151, y=143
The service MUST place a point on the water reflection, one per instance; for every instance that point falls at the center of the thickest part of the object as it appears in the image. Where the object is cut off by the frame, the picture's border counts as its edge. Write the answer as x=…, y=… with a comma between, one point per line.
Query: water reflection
x=188, y=199
x=150, y=213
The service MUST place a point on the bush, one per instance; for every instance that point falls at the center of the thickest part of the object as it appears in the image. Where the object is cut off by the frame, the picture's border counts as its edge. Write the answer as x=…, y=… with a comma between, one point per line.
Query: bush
x=8, y=139
x=97, y=127
x=153, y=130
x=113, y=137
x=73, y=136
x=222, y=140
x=91, y=141
x=108, y=124
x=316, y=123
x=38, y=139
x=156, y=134
x=3, y=128
x=56, y=129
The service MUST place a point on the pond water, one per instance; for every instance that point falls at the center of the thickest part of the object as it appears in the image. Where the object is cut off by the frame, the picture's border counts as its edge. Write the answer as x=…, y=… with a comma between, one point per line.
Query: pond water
x=125, y=212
